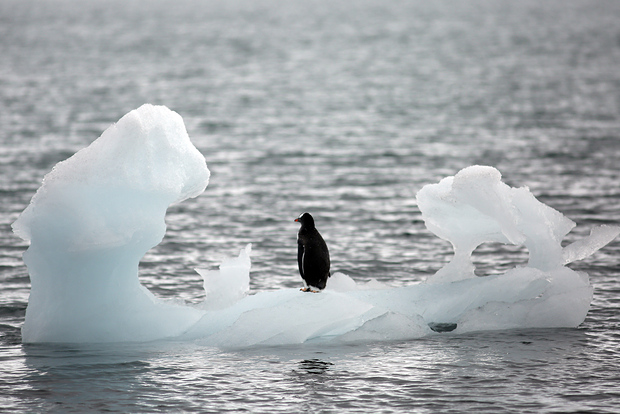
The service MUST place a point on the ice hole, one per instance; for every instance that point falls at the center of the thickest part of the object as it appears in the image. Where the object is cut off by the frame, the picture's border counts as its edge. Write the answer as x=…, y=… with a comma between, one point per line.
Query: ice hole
x=497, y=258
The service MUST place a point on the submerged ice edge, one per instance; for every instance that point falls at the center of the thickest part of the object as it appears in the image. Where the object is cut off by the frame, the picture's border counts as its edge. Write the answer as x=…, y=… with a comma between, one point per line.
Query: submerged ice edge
x=97, y=213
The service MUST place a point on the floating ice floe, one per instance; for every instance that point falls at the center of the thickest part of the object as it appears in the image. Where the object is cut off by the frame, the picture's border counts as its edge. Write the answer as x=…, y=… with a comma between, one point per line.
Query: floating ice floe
x=97, y=213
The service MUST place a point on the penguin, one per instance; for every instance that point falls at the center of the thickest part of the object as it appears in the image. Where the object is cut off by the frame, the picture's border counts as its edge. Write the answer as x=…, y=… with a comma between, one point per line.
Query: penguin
x=312, y=255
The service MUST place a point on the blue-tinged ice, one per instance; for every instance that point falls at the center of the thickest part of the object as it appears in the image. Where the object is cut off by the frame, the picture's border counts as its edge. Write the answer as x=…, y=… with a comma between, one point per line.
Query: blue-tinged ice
x=229, y=284
x=98, y=212
x=94, y=218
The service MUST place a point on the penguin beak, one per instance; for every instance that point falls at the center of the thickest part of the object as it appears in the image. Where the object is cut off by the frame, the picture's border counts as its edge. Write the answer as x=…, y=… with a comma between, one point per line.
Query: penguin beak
x=296, y=219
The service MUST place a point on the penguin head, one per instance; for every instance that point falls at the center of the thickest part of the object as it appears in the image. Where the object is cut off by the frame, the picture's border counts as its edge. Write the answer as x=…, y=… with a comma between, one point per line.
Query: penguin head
x=305, y=220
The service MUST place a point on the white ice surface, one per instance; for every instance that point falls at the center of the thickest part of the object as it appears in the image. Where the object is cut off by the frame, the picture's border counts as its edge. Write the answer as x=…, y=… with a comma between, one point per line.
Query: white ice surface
x=98, y=212
x=229, y=284
x=92, y=220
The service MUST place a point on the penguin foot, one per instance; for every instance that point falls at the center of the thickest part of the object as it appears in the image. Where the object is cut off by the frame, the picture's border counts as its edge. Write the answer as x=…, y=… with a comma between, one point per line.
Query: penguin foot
x=307, y=289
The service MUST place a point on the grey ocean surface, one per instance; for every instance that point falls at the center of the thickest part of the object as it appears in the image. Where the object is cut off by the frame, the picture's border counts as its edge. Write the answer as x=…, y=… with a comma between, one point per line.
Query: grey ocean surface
x=344, y=109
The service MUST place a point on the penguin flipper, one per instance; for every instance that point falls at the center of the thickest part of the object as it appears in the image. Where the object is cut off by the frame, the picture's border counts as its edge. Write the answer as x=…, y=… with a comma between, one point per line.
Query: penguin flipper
x=300, y=258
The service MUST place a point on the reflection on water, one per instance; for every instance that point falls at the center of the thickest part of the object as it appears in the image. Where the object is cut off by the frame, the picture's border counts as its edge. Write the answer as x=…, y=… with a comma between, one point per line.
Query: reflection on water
x=313, y=366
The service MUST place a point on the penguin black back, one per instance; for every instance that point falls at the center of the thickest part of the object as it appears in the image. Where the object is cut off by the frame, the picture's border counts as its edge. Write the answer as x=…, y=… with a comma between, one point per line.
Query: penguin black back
x=312, y=254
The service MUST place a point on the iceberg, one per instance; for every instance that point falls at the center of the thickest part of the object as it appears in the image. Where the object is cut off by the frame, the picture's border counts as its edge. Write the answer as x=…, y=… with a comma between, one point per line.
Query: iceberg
x=92, y=220
x=97, y=213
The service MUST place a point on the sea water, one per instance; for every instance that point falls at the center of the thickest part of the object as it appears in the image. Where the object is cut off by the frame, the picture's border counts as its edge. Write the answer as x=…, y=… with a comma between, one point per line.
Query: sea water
x=346, y=111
